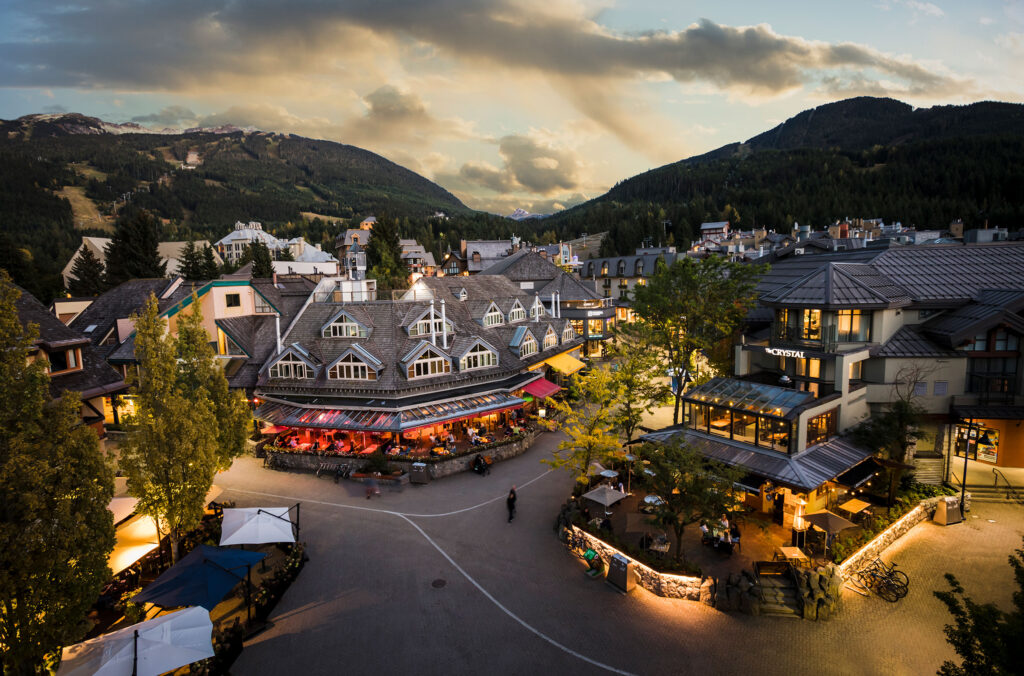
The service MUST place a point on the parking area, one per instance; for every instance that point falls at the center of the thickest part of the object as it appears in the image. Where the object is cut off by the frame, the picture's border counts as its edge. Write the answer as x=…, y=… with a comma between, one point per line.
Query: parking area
x=434, y=580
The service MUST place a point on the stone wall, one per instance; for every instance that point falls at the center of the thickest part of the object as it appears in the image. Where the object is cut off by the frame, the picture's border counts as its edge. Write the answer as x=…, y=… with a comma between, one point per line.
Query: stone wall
x=873, y=549
x=438, y=468
x=662, y=584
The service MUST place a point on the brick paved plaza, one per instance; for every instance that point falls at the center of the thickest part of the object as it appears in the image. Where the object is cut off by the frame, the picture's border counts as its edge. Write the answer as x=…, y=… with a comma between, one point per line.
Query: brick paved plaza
x=433, y=580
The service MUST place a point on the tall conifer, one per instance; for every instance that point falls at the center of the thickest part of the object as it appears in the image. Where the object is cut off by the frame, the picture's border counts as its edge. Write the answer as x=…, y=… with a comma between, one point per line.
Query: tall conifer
x=89, y=275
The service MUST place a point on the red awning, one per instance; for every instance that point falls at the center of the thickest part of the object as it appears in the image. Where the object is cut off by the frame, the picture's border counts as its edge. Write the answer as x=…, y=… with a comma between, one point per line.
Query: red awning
x=541, y=388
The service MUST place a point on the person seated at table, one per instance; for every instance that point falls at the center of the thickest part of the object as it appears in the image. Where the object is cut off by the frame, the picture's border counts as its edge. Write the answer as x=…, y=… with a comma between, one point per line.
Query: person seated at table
x=734, y=534
x=620, y=488
x=724, y=543
x=315, y=446
x=723, y=523
x=706, y=537
x=293, y=442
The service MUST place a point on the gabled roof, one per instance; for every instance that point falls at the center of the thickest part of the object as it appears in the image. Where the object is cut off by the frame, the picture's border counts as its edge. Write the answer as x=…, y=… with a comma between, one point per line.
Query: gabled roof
x=953, y=271
x=362, y=353
x=462, y=345
x=908, y=342
x=295, y=350
x=839, y=285
x=421, y=347
x=523, y=266
x=569, y=288
x=991, y=308
x=520, y=335
x=344, y=312
x=120, y=302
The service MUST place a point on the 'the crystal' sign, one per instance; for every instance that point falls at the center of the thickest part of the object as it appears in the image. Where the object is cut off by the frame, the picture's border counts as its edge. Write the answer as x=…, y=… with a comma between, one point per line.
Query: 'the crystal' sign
x=779, y=352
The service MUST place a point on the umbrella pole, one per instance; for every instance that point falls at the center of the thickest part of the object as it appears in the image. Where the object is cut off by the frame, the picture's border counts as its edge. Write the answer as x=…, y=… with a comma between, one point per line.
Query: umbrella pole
x=135, y=654
x=248, y=594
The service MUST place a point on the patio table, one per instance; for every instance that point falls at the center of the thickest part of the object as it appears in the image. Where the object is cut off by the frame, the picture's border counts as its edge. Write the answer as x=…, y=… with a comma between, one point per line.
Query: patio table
x=854, y=506
x=792, y=555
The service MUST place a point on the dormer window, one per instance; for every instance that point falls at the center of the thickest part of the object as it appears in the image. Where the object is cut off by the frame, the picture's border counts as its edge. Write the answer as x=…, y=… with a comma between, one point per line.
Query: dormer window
x=639, y=268
x=550, y=339
x=494, y=316
x=292, y=367
x=424, y=327
x=528, y=346
x=622, y=268
x=480, y=357
x=462, y=295
x=430, y=363
x=517, y=313
x=351, y=367
x=345, y=327
x=62, y=361
x=537, y=310
x=568, y=334
x=604, y=269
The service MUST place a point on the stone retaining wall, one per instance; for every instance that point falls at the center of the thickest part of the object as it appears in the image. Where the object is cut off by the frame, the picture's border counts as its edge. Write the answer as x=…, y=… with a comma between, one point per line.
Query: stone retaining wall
x=662, y=584
x=873, y=549
x=438, y=468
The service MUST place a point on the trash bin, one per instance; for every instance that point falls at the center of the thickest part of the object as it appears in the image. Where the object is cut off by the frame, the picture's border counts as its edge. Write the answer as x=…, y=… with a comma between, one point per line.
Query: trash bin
x=419, y=474
x=947, y=512
x=621, y=574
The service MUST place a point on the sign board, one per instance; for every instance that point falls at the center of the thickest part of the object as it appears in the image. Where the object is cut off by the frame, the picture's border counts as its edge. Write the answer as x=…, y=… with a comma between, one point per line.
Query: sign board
x=594, y=313
x=780, y=352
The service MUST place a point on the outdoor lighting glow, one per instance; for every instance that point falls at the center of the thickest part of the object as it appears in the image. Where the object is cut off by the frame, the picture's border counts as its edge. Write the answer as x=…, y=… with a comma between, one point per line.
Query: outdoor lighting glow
x=916, y=511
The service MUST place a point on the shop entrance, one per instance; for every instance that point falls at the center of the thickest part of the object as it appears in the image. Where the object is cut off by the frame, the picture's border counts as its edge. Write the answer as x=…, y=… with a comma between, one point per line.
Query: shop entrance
x=977, y=442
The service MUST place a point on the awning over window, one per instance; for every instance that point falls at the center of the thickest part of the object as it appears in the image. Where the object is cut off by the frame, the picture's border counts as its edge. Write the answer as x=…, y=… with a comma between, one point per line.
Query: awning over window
x=541, y=388
x=565, y=363
x=382, y=420
x=857, y=476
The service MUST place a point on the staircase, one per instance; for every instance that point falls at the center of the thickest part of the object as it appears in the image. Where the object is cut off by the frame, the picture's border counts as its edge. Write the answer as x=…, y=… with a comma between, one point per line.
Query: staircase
x=989, y=493
x=780, y=596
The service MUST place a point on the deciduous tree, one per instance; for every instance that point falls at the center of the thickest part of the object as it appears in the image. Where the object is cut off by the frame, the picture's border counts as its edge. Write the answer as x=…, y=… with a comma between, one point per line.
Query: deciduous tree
x=638, y=377
x=691, y=306
x=170, y=454
x=200, y=377
x=588, y=423
x=690, y=486
x=88, y=274
x=55, y=529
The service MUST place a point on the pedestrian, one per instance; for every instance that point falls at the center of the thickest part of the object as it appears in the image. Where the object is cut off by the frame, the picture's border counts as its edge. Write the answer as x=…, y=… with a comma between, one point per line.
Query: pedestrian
x=510, y=502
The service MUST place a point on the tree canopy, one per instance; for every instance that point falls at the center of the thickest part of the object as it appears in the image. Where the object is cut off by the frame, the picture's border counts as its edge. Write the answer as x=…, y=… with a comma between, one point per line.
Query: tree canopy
x=384, y=256
x=133, y=250
x=262, y=263
x=89, y=275
x=638, y=376
x=588, y=424
x=55, y=529
x=191, y=265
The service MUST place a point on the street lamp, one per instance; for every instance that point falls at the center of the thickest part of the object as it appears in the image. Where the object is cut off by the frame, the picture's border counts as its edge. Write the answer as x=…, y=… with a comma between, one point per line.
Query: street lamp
x=985, y=440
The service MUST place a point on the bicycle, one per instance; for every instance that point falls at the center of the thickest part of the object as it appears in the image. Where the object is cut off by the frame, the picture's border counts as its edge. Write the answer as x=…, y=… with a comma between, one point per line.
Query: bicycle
x=882, y=579
x=581, y=549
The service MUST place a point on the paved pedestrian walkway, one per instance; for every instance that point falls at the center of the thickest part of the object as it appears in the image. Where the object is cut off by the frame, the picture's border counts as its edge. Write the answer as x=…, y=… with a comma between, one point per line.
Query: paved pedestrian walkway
x=434, y=580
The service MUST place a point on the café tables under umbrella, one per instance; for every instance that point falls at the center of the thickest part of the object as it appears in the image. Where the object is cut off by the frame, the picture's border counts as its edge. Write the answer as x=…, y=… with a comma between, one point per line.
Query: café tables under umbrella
x=605, y=496
x=256, y=525
x=829, y=522
x=148, y=648
x=201, y=578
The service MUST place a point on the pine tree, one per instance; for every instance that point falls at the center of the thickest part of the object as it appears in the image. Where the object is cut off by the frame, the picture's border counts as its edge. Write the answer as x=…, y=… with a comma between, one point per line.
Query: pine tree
x=55, y=529
x=285, y=254
x=262, y=264
x=210, y=268
x=384, y=256
x=191, y=267
x=133, y=252
x=89, y=275
x=170, y=453
x=201, y=377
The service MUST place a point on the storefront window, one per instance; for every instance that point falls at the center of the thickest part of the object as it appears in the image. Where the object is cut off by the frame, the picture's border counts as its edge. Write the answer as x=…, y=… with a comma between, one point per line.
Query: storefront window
x=810, y=368
x=971, y=439
x=577, y=326
x=821, y=427
x=773, y=433
x=721, y=421
x=744, y=427
x=595, y=327
x=810, y=328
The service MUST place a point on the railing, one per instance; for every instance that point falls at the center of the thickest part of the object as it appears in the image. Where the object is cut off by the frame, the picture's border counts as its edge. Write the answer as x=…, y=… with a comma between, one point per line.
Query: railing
x=1011, y=490
x=785, y=335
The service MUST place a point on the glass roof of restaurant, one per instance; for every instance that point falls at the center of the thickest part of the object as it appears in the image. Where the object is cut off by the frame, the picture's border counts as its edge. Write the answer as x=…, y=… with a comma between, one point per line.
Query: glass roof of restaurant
x=383, y=420
x=743, y=395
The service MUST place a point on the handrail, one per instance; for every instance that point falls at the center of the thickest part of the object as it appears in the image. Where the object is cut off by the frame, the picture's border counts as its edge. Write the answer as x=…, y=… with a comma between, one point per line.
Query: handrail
x=954, y=477
x=1011, y=490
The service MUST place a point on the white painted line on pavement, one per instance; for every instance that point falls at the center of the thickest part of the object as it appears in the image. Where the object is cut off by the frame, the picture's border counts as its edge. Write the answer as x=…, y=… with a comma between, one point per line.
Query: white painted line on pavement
x=508, y=612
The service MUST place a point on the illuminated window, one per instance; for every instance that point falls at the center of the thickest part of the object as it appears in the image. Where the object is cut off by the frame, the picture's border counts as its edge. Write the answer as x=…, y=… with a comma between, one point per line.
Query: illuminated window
x=528, y=346
x=424, y=327
x=351, y=367
x=478, y=358
x=568, y=333
x=344, y=327
x=537, y=311
x=65, y=360
x=853, y=326
x=430, y=363
x=290, y=366
x=821, y=427
x=516, y=314
x=810, y=329
x=494, y=317
x=550, y=339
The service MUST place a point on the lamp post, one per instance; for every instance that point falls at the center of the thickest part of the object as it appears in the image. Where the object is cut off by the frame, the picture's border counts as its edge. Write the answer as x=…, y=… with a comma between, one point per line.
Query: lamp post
x=985, y=440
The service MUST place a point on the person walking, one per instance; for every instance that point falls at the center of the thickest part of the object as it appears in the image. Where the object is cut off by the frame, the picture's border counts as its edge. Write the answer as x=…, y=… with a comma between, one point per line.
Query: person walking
x=510, y=502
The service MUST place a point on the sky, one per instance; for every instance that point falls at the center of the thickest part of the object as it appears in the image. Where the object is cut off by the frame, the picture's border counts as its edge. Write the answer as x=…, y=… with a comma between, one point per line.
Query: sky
x=533, y=104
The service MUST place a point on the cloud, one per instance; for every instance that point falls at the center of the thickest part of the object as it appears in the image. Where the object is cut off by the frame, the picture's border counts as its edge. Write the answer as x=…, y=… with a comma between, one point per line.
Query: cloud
x=171, y=116
x=986, y=21
x=926, y=8
x=180, y=44
x=529, y=166
x=393, y=116
x=55, y=108
x=1012, y=41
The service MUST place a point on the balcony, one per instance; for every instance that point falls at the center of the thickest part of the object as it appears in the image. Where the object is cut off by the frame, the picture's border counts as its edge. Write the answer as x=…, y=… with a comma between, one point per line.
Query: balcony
x=789, y=336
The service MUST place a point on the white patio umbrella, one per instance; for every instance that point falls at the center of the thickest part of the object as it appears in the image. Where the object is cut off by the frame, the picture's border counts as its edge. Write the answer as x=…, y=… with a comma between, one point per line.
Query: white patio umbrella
x=256, y=525
x=149, y=648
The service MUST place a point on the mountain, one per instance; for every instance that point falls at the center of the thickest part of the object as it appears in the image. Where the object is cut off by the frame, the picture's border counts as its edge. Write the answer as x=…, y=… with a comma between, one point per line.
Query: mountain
x=862, y=157
x=524, y=215
x=62, y=176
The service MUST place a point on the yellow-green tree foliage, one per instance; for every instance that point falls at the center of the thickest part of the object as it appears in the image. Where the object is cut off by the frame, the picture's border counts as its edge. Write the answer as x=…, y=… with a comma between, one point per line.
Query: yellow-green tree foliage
x=55, y=529
x=588, y=422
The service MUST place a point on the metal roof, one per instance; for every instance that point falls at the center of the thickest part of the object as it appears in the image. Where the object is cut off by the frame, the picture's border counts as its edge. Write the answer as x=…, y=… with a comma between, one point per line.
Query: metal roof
x=839, y=285
x=744, y=395
x=908, y=342
x=991, y=308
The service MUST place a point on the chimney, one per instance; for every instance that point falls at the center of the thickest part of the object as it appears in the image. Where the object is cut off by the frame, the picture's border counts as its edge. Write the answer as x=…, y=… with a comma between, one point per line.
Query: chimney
x=552, y=303
x=275, y=278
x=536, y=302
x=277, y=327
x=444, y=326
x=433, y=327
x=558, y=300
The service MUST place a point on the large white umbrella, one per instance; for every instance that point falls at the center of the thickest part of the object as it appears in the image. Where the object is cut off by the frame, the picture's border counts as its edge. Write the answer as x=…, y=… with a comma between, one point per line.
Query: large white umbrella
x=149, y=648
x=603, y=495
x=256, y=525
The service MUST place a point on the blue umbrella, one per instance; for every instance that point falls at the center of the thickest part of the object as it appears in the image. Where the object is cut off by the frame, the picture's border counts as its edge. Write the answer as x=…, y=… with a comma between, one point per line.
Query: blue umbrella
x=201, y=578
